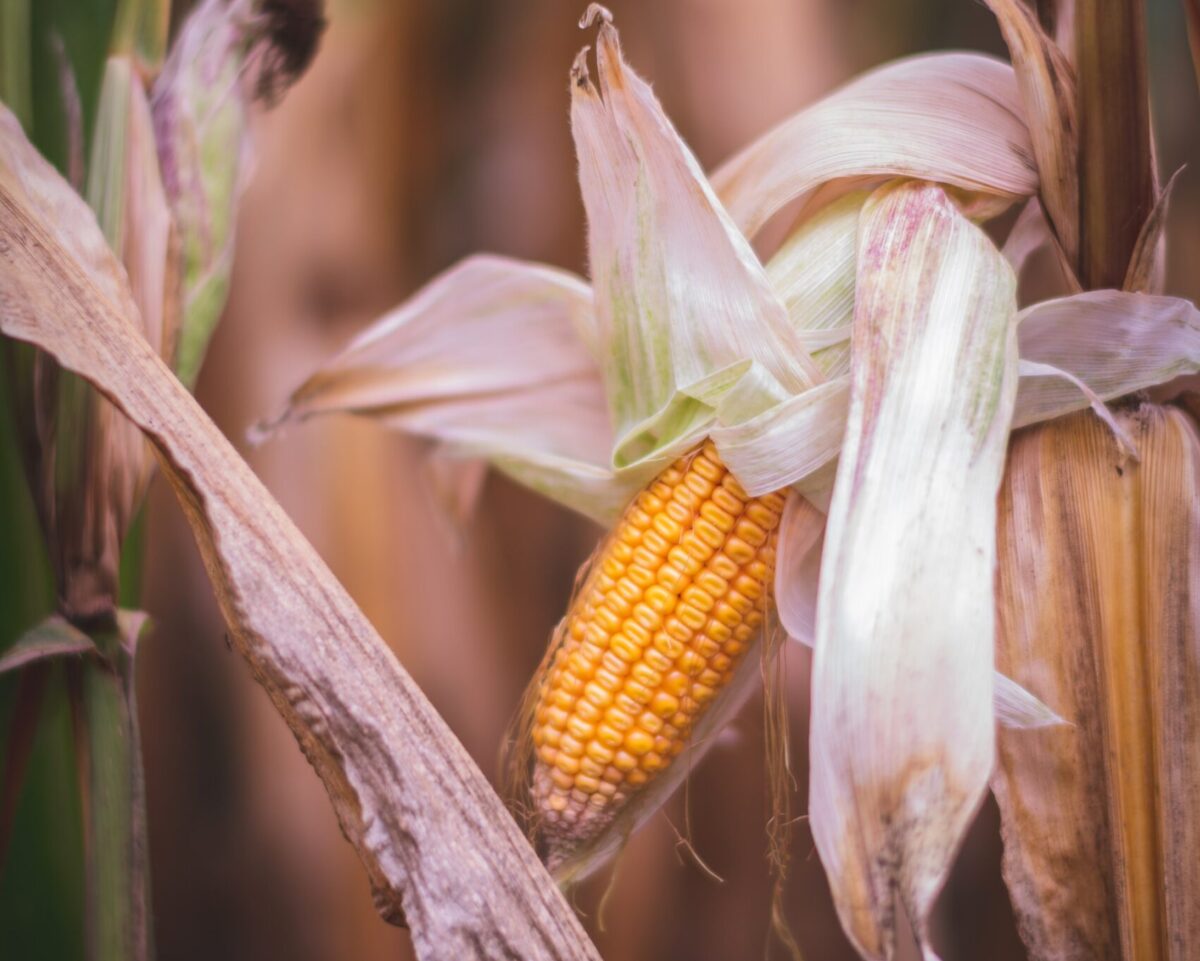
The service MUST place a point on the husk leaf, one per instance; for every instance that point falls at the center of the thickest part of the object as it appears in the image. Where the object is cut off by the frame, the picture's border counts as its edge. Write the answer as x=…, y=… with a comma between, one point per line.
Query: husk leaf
x=687, y=320
x=1047, y=85
x=954, y=118
x=1098, y=614
x=1115, y=342
x=902, y=739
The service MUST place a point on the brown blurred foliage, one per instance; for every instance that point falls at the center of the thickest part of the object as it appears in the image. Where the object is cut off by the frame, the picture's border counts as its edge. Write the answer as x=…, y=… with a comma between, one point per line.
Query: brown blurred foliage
x=422, y=132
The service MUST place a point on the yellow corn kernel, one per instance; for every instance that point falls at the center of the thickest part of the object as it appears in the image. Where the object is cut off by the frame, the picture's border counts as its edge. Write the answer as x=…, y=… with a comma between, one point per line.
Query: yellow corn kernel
x=657, y=630
x=638, y=742
x=624, y=648
x=624, y=761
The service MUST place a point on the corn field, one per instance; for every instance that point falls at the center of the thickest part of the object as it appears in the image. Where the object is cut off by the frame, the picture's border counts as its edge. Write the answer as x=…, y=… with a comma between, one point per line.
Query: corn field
x=694, y=479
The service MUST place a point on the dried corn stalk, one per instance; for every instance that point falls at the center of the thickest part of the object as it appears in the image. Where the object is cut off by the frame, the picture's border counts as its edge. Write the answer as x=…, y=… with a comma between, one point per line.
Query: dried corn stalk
x=1099, y=534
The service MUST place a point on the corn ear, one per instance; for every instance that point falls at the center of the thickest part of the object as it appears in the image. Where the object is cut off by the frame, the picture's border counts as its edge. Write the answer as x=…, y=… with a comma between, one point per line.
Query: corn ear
x=1098, y=615
x=669, y=609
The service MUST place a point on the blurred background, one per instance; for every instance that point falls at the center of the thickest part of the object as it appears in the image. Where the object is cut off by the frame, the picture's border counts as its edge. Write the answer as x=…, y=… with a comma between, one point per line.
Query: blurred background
x=425, y=130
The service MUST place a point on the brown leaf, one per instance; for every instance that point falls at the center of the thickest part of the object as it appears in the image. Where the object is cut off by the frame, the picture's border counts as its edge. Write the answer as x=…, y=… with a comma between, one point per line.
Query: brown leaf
x=1047, y=85
x=437, y=844
x=1098, y=616
x=1148, y=265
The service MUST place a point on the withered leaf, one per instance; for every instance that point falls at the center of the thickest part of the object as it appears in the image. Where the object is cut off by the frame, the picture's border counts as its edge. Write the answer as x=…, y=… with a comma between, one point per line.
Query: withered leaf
x=437, y=844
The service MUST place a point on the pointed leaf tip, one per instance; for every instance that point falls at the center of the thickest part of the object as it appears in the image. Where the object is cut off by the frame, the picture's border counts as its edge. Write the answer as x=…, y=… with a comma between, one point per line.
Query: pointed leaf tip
x=685, y=313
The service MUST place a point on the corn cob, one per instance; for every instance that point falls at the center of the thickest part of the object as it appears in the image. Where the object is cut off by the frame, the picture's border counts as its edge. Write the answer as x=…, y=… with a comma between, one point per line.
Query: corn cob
x=660, y=624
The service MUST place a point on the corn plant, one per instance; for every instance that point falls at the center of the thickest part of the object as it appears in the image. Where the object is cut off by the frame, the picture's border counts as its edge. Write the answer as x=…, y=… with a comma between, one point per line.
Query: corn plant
x=867, y=379
x=820, y=440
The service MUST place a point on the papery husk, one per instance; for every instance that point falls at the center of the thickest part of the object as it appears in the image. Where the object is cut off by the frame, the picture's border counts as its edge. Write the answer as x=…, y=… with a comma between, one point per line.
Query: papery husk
x=902, y=730
x=1047, y=85
x=1099, y=616
x=688, y=325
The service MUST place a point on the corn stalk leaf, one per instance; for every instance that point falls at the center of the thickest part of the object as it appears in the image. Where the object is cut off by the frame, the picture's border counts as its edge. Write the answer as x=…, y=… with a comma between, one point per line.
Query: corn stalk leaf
x=436, y=842
x=489, y=361
x=199, y=104
x=902, y=739
x=686, y=316
x=1047, y=85
x=954, y=118
x=1099, y=559
x=1115, y=342
x=53, y=637
x=1148, y=264
x=16, y=71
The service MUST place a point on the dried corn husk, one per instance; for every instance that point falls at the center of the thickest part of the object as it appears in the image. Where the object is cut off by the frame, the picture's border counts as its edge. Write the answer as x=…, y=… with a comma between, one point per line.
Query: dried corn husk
x=902, y=737
x=1099, y=615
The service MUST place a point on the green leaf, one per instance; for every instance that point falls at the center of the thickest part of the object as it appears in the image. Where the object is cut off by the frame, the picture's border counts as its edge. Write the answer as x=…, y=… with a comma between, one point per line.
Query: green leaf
x=54, y=637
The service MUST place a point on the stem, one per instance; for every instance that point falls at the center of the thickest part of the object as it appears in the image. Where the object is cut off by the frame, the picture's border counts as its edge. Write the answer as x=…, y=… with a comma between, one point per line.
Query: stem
x=118, y=917
x=1116, y=164
x=16, y=88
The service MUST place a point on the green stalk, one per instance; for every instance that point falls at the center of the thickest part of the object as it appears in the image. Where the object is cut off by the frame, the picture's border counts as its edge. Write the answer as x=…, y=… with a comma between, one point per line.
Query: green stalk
x=140, y=31
x=118, y=897
x=16, y=87
x=1116, y=164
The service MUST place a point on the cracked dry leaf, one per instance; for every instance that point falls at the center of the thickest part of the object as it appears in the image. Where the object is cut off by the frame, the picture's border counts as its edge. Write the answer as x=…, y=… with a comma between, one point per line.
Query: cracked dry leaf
x=437, y=844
